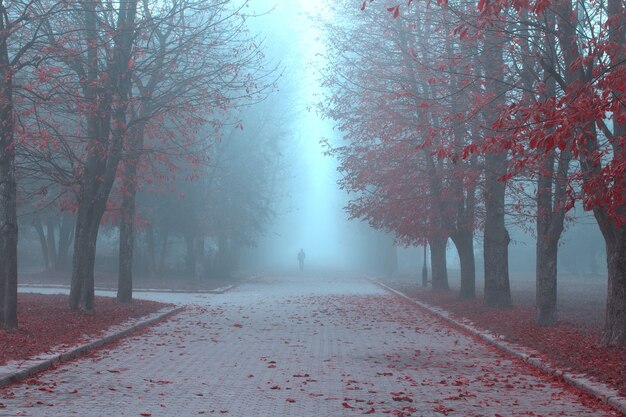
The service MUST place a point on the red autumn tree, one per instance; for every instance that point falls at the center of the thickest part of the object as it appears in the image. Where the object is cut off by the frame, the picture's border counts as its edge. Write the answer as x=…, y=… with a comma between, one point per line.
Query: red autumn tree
x=126, y=81
x=190, y=72
x=21, y=34
x=577, y=108
x=405, y=152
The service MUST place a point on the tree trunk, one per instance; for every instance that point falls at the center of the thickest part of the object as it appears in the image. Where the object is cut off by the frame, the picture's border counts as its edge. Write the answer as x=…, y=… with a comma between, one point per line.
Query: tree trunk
x=425, y=268
x=615, y=236
x=496, y=237
x=127, y=237
x=150, y=252
x=127, y=221
x=550, y=219
x=104, y=141
x=43, y=242
x=547, y=250
x=190, y=259
x=614, y=333
x=66, y=237
x=52, y=250
x=199, y=270
x=223, y=263
x=92, y=197
x=163, y=251
x=551, y=196
x=83, y=261
x=392, y=261
x=8, y=187
x=464, y=242
x=8, y=236
x=122, y=79
x=438, y=263
x=86, y=235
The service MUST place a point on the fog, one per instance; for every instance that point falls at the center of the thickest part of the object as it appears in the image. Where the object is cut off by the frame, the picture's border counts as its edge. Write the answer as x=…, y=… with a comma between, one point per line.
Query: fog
x=245, y=190
x=311, y=216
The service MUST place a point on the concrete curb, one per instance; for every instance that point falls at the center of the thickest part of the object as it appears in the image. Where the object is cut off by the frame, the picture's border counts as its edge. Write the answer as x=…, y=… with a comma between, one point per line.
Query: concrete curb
x=599, y=390
x=220, y=290
x=15, y=371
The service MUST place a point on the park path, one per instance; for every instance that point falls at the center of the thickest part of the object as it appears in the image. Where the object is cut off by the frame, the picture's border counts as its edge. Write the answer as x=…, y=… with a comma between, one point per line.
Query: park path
x=296, y=346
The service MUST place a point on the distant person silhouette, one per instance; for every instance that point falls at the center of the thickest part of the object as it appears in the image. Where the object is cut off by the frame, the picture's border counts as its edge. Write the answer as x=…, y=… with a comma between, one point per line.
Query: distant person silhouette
x=301, y=257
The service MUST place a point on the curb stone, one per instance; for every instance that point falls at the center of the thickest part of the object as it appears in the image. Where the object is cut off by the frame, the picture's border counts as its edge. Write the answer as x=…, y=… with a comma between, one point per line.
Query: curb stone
x=16, y=371
x=220, y=290
x=597, y=389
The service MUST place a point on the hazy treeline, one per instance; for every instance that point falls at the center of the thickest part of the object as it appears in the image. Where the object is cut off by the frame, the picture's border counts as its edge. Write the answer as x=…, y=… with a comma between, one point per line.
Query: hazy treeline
x=111, y=112
x=463, y=118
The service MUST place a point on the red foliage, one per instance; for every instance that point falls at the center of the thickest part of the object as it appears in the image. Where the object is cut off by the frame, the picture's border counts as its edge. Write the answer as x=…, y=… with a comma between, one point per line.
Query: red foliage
x=568, y=345
x=47, y=322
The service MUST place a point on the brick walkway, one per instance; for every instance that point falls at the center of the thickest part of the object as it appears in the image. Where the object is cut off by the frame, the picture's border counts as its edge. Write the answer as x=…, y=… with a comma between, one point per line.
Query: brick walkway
x=296, y=347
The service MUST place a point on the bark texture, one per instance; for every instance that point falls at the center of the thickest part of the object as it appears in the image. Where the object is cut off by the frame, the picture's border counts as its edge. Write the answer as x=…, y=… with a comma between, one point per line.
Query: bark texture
x=615, y=235
x=614, y=333
x=127, y=219
x=438, y=263
x=464, y=242
x=127, y=237
x=425, y=268
x=8, y=186
x=496, y=238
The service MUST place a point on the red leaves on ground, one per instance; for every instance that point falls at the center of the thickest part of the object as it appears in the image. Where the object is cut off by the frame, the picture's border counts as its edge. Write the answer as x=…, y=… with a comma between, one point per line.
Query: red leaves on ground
x=109, y=281
x=46, y=322
x=401, y=396
x=442, y=409
x=572, y=344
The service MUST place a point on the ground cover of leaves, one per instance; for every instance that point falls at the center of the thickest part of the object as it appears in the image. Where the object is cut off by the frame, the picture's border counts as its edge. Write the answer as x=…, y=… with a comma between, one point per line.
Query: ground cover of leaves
x=331, y=355
x=109, y=281
x=46, y=322
x=573, y=344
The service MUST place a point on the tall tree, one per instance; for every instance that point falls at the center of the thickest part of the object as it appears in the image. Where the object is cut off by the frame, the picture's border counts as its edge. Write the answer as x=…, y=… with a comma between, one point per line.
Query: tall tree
x=8, y=193
x=183, y=66
x=106, y=88
x=20, y=35
x=583, y=117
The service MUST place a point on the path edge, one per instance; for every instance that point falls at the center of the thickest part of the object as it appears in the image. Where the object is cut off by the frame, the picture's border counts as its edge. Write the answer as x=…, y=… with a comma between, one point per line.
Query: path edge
x=599, y=390
x=15, y=372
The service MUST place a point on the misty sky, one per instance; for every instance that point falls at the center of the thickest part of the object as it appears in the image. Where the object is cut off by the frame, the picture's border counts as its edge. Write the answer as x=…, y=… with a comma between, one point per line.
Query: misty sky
x=311, y=217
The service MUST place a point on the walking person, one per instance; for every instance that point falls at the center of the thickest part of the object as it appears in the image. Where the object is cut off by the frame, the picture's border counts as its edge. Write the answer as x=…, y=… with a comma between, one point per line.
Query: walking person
x=301, y=257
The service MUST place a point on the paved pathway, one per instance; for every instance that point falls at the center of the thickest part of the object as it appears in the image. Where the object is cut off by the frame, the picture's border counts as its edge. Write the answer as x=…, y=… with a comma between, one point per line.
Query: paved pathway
x=296, y=347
